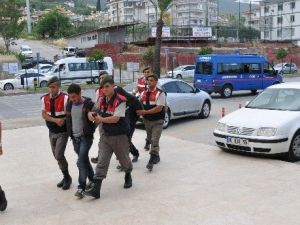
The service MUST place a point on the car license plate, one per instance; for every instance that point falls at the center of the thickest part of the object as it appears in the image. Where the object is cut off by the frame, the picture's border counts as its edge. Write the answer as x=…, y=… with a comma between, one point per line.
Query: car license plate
x=237, y=141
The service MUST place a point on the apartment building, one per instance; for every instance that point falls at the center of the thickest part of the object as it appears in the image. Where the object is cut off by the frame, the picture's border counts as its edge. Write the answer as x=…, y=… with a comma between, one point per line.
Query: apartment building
x=280, y=20
x=195, y=12
x=252, y=17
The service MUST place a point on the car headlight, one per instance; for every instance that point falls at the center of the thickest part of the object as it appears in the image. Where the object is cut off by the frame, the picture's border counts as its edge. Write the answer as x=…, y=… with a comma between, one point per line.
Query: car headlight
x=266, y=131
x=221, y=127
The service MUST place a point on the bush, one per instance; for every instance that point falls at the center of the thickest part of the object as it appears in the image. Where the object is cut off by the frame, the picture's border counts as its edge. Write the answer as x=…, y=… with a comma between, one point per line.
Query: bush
x=96, y=55
x=148, y=56
x=205, y=51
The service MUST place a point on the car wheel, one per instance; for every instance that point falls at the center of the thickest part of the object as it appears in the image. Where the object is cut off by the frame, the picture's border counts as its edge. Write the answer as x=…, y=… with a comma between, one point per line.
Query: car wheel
x=226, y=91
x=179, y=76
x=254, y=92
x=167, y=119
x=8, y=86
x=96, y=80
x=205, y=111
x=294, y=151
x=43, y=84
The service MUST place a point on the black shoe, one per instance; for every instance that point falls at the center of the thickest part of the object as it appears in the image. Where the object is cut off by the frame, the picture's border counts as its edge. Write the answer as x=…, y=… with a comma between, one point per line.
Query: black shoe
x=94, y=160
x=147, y=145
x=128, y=181
x=150, y=163
x=3, y=201
x=95, y=191
x=60, y=184
x=90, y=185
x=135, y=159
x=79, y=193
x=67, y=180
x=120, y=168
x=156, y=159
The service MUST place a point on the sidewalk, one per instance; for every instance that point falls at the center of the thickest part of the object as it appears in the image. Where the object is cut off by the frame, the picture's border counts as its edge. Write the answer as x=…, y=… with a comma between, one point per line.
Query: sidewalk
x=193, y=184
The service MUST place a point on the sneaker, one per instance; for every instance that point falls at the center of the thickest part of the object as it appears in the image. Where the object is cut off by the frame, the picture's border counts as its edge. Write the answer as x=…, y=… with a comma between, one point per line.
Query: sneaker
x=79, y=193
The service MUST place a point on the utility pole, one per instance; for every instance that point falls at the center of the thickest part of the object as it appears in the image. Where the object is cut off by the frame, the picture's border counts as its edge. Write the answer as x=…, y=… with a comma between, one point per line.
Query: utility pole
x=28, y=16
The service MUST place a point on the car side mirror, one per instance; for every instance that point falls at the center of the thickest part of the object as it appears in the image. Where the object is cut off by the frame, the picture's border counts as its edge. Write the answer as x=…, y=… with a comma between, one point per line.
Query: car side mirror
x=275, y=72
x=197, y=90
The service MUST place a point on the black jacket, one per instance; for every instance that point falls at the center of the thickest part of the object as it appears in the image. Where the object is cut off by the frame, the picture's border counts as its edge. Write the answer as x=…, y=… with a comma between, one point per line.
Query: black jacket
x=133, y=104
x=88, y=126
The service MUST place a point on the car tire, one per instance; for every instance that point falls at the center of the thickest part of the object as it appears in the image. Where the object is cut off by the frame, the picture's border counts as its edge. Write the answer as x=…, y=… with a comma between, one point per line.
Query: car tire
x=96, y=80
x=8, y=86
x=254, y=92
x=226, y=91
x=179, y=76
x=43, y=84
x=205, y=111
x=167, y=119
x=293, y=154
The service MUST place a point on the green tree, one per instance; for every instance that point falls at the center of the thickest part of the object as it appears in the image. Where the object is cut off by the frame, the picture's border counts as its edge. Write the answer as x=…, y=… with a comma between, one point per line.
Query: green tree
x=148, y=56
x=55, y=25
x=281, y=54
x=162, y=6
x=96, y=55
x=10, y=25
x=205, y=51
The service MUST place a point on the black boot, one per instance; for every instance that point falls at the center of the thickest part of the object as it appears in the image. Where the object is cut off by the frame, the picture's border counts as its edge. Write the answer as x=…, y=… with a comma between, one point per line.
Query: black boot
x=3, y=201
x=67, y=180
x=60, y=184
x=94, y=160
x=147, y=145
x=128, y=181
x=135, y=158
x=150, y=163
x=156, y=159
x=95, y=191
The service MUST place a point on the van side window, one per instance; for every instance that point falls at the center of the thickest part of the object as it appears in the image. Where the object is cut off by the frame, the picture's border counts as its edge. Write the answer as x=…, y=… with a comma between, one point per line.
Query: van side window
x=268, y=69
x=72, y=66
x=251, y=68
x=229, y=68
x=204, y=68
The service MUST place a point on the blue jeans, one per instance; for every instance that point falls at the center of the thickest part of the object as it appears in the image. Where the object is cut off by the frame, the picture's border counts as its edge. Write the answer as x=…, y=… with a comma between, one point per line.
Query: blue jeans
x=82, y=147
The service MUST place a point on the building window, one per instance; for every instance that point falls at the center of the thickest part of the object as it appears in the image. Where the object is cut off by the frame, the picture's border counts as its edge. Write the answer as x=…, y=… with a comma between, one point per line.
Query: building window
x=280, y=7
x=279, y=19
x=292, y=18
x=293, y=5
x=266, y=21
x=267, y=34
x=279, y=33
x=266, y=9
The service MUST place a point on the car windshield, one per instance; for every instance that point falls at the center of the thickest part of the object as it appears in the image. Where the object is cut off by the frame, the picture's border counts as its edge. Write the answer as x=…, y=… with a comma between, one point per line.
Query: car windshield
x=279, y=65
x=26, y=49
x=277, y=99
x=179, y=68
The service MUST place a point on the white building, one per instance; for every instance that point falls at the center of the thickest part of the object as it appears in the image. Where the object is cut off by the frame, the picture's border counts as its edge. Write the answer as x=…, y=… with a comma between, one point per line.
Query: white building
x=252, y=17
x=280, y=20
x=195, y=12
x=126, y=11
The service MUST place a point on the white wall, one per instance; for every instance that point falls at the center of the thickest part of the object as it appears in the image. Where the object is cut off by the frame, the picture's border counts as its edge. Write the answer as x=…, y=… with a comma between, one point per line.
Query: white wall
x=87, y=40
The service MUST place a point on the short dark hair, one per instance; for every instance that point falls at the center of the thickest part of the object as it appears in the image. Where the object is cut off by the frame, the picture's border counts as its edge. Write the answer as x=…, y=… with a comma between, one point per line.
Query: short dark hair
x=154, y=76
x=101, y=73
x=74, y=89
x=107, y=79
x=146, y=68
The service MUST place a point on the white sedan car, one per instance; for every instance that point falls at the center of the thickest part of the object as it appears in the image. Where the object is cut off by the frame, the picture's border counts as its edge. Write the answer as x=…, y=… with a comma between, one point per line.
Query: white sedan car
x=22, y=80
x=184, y=71
x=269, y=124
x=183, y=100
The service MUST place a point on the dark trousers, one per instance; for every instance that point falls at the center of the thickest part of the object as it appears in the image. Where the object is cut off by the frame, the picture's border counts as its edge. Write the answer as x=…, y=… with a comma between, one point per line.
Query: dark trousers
x=82, y=146
x=132, y=149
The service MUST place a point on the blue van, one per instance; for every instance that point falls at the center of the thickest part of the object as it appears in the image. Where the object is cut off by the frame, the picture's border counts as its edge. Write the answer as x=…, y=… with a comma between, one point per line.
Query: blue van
x=224, y=74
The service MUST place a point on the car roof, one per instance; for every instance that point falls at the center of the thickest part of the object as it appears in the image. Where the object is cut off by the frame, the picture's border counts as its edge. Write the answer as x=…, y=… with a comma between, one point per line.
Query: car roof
x=163, y=81
x=289, y=85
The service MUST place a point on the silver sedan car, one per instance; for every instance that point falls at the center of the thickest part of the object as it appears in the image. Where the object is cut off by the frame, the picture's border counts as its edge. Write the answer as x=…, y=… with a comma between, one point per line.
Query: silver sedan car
x=183, y=100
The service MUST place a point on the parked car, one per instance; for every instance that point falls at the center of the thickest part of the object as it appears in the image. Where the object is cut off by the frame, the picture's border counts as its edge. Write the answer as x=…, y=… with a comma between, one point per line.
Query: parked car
x=44, y=68
x=183, y=100
x=69, y=51
x=286, y=68
x=22, y=80
x=33, y=62
x=269, y=124
x=182, y=72
x=26, y=51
